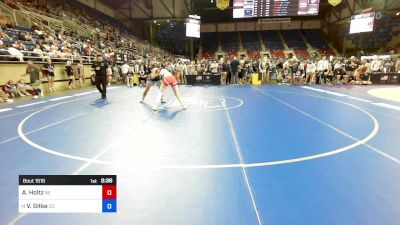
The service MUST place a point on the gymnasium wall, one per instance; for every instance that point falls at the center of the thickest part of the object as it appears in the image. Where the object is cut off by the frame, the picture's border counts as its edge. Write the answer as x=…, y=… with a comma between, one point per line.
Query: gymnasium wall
x=255, y=26
x=15, y=70
x=99, y=6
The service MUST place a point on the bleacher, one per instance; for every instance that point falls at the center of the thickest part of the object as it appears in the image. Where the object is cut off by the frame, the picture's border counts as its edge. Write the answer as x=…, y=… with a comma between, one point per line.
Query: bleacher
x=230, y=41
x=250, y=41
x=315, y=39
x=294, y=40
x=271, y=39
x=210, y=44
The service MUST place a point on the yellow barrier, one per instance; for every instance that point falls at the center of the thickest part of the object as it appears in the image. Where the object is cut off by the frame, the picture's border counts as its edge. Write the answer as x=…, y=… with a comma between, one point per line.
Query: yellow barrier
x=255, y=79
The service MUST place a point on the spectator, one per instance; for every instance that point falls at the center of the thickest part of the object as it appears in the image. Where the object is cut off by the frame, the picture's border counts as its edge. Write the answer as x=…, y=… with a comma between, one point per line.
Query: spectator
x=9, y=89
x=4, y=97
x=125, y=69
x=48, y=71
x=234, y=66
x=81, y=73
x=24, y=89
x=214, y=68
x=397, y=65
x=322, y=68
x=35, y=77
x=19, y=46
x=70, y=73
x=109, y=76
x=263, y=70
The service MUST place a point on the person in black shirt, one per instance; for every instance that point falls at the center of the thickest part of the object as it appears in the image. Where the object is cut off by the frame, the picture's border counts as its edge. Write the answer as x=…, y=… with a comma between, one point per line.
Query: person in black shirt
x=70, y=74
x=100, y=68
x=234, y=70
x=48, y=70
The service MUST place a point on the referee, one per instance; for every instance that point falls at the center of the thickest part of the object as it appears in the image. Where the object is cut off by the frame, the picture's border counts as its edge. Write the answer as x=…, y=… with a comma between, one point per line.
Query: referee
x=100, y=68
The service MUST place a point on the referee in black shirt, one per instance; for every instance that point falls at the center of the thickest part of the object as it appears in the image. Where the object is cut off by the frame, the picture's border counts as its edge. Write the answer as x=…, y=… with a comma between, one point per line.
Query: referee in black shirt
x=100, y=67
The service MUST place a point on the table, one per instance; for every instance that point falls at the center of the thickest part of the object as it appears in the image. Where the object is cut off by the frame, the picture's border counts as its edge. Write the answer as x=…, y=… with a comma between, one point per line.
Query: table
x=385, y=78
x=204, y=79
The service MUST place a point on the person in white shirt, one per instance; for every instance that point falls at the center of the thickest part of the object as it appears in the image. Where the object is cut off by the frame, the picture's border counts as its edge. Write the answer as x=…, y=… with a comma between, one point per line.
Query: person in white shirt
x=322, y=66
x=310, y=71
x=262, y=67
x=124, y=70
x=376, y=64
x=192, y=68
x=179, y=71
x=136, y=69
x=397, y=65
x=214, y=68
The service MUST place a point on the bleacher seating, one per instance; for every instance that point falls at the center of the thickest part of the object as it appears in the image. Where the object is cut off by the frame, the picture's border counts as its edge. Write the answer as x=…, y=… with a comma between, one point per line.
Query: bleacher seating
x=327, y=51
x=278, y=54
x=253, y=54
x=272, y=40
x=210, y=42
x=231, y=54
x=250, y=40
x=230, y=41
x=294, y=40
x=208, y=54
x=302, y=53
x=315, y=39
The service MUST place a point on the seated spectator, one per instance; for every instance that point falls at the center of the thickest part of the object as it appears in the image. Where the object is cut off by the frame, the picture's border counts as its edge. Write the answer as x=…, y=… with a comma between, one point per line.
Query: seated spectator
x=38, y=51
x=16, y=54
x=9, y=89
x=21, y=36
x=19, y=46
x=2, y=34
x=4, y=97
x=24, y=89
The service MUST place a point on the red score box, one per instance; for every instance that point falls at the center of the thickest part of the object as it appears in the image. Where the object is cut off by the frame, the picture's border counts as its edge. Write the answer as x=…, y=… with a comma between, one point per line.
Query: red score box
x=109, y=192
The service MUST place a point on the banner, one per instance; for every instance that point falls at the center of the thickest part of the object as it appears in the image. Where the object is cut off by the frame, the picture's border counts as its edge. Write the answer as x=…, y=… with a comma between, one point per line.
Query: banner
x=222, y=4
x=335, y=2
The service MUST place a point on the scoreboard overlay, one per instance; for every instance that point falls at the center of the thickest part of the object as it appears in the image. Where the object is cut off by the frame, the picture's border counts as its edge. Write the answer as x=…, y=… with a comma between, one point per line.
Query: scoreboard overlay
x=67, y=193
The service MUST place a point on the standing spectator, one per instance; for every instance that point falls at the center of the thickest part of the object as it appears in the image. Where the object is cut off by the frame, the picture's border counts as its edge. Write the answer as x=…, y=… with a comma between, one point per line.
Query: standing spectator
x=322, y=68
x=214, y=68
x=397, y=65
x=129, y=77
x=100, y=68
x=262, y=67
x=117, y=73
x=376, y=64
x=124, y=69
x=70, y=74
x=192, y=68
x=35, y=77
x=234, y=70
x=81, y=73
x=142, y=75
x=109, y=76
x=48, y=70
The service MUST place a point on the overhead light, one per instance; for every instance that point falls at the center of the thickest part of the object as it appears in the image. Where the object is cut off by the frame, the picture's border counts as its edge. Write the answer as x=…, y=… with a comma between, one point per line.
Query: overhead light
x=398, y=13
x=155, y=21
x=167, y=21
x=158, y=24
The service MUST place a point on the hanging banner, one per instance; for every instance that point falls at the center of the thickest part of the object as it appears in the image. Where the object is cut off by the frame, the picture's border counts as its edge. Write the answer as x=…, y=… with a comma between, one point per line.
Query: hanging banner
x=335, y=2
x=222, y=4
